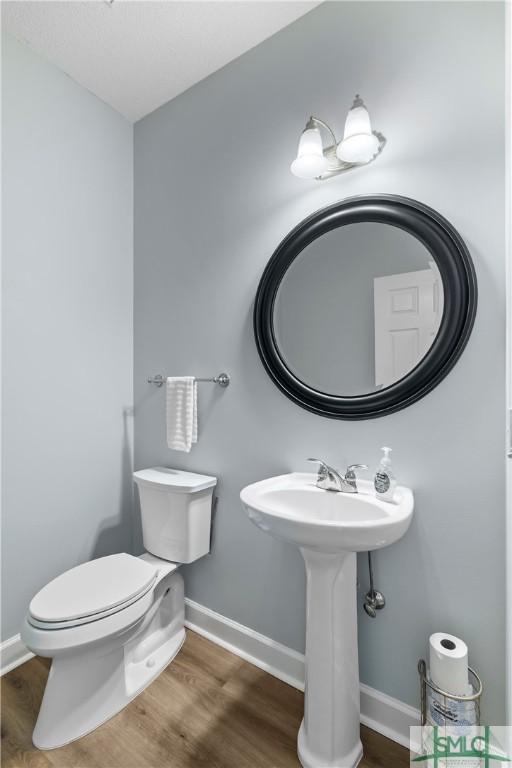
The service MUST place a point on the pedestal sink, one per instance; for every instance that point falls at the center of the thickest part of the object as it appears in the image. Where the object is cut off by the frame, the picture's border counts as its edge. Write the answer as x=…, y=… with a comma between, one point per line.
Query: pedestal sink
x=329, y=528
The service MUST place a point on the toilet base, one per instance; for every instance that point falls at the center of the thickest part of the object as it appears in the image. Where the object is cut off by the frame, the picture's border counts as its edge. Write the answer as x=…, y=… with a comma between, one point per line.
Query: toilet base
x=85, y=688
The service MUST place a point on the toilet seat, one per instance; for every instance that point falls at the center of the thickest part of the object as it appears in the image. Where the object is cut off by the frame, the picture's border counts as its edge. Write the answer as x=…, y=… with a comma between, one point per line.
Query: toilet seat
x=92, y=591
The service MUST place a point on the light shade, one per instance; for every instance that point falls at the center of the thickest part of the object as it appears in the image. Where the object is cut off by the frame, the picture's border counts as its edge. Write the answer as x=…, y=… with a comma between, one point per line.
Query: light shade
x=310, y=161
x=359, y=144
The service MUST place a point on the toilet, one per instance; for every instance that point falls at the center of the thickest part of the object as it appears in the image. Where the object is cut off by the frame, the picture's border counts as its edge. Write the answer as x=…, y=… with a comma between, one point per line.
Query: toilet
x=111, y=625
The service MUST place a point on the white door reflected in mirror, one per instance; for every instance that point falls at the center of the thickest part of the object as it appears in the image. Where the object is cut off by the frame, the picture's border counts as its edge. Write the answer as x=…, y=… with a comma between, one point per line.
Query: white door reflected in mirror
x=407, y=309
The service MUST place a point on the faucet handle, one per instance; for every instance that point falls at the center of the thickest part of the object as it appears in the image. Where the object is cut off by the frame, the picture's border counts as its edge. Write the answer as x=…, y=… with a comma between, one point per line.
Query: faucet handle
x=352, y=467
x=350, y=475
x=323, y=469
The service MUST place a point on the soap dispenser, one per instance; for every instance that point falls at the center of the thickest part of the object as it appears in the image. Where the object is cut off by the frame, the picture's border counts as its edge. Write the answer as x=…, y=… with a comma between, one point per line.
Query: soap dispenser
x=385, y=480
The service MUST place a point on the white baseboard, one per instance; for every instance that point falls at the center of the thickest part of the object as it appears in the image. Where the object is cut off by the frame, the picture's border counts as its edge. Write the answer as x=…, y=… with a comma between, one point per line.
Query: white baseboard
x=388, y=716
x=381, y=713
x=12, y=654
x=267, y=654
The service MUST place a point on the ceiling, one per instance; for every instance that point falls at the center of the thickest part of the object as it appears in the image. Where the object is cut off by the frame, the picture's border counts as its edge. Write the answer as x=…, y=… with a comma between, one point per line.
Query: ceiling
x=138, y=54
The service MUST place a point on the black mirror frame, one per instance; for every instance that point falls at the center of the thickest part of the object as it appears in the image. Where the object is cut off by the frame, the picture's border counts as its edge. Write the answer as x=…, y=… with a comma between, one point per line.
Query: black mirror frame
x=460, y=302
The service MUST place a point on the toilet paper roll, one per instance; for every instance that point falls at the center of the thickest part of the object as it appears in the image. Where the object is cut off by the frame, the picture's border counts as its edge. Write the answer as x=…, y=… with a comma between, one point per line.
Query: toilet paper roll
x=449, y=663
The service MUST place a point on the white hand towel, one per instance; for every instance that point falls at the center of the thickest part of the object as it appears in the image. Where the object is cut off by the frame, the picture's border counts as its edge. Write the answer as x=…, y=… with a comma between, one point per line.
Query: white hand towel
x=181, y=412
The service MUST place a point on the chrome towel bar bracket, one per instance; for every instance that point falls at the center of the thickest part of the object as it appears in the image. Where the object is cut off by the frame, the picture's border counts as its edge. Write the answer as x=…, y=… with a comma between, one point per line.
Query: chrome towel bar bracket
x=222, y=380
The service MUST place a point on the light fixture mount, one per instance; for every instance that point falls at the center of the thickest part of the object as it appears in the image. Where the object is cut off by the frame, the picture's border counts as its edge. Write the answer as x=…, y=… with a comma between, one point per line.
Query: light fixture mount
x=359, y=142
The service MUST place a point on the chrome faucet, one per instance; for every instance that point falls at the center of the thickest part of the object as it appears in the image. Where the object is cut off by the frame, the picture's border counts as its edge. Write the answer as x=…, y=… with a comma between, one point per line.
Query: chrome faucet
x=329, y=479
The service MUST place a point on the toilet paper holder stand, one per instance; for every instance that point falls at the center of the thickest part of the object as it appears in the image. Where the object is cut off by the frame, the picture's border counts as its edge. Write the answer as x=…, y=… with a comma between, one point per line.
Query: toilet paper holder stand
x=445, y=697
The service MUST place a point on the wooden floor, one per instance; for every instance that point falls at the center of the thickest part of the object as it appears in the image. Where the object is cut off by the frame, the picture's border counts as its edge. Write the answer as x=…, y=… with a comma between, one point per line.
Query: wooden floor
x=208, y=709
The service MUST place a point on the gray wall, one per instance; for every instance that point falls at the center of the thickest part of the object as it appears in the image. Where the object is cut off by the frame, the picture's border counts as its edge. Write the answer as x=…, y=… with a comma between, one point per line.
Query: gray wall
x=67, y=327
x=213, y=198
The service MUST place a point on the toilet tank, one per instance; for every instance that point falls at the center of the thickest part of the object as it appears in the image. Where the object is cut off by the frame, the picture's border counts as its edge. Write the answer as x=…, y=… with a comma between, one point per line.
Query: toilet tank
x=176, y=511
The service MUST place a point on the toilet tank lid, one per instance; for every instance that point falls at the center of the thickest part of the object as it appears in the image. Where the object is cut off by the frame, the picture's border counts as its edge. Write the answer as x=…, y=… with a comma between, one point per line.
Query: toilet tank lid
x=174, y=479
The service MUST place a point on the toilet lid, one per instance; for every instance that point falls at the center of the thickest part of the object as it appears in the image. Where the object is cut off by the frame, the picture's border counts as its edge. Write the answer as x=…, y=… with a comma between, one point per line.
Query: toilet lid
x=92, y=588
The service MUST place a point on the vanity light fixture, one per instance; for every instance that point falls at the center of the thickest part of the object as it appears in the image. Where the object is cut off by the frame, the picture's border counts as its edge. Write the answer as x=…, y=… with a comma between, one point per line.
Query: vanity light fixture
x=360, y=146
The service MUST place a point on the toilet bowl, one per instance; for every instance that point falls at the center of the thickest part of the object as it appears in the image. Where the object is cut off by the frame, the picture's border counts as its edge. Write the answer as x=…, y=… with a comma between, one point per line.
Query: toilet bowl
x=111, y=625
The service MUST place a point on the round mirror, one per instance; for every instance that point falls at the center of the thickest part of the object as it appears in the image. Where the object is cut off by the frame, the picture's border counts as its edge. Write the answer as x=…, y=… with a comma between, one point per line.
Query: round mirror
x=365, y=306
x=358, y=309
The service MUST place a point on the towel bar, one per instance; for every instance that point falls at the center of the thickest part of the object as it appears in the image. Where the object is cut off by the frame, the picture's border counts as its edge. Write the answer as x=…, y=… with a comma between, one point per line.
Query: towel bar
x=222, y=380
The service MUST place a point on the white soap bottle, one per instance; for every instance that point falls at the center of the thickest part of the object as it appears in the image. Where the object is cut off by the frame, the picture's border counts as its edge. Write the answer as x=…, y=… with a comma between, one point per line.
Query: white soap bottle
x=385, y=480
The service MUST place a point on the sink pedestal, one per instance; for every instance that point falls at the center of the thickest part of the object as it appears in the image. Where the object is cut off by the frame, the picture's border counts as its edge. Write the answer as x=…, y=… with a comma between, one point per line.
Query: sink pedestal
x=329, y=528
x=329, y=734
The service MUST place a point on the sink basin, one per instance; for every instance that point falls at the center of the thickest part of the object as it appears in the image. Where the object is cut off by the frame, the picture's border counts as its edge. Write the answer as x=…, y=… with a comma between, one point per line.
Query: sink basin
x=329, y=528
x=292, y=508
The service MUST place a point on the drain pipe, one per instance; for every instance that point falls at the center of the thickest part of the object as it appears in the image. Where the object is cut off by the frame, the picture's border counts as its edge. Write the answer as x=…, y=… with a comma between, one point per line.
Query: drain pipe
x=373, y=600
